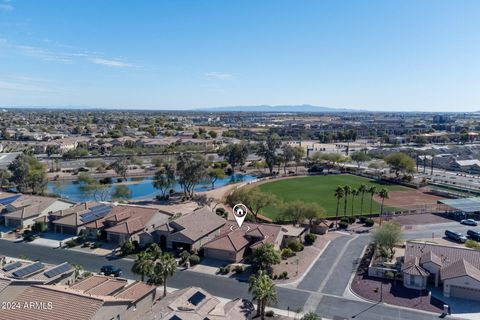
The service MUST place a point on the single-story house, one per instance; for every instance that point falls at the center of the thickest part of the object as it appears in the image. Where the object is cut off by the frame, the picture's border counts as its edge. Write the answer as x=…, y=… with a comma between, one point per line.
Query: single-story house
x=190, y=231
x=73, y=220
x=127, y=222
x=456, y=268
x=25, y=210
x=234, y=243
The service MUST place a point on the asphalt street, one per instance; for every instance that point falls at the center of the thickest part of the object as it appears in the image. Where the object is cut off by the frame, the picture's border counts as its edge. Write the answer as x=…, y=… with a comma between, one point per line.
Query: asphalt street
x=321, y=289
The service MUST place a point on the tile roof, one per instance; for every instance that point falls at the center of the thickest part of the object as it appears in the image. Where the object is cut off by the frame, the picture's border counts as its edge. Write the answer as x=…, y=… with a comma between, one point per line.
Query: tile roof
x=458, y=269
x=232, y=238
x=100, y=285
x=135, y=291
x=73, y=216
x=429, y=256
x=197, y=224
x=61, y=304
x=412, y=267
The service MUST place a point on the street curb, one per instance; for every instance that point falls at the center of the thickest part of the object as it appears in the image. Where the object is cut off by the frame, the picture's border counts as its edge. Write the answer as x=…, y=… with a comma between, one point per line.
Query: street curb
x=297, y=281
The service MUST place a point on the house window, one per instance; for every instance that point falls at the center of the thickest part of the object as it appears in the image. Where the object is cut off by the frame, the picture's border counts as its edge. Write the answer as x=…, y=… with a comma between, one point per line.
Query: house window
x=412, y=280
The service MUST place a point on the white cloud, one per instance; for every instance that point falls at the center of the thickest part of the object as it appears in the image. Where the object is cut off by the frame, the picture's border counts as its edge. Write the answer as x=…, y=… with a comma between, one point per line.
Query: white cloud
x=219, y=75
x=110, y=63
x=64, y=56
x=15, y=86
x=6, y=6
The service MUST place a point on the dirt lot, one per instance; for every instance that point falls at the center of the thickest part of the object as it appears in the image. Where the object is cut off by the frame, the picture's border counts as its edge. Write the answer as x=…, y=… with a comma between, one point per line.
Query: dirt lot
x=410, y=198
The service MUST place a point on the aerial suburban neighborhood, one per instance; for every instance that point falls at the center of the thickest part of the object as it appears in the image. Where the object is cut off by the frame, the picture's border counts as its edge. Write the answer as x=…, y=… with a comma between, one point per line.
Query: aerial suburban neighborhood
x=237, y=160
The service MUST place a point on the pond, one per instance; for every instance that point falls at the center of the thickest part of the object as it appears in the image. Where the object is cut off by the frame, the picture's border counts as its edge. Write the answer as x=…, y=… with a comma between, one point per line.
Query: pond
x=140, y=188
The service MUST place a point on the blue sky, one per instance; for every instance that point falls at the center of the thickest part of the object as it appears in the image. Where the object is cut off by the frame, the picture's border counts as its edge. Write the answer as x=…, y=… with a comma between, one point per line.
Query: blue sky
x=415, y=55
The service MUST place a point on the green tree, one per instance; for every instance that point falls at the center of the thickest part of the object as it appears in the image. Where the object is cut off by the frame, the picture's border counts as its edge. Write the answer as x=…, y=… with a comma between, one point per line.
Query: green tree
x=235, y=154
x=383, y=193
x=298, y=154
x=121, y=192
x=313, y=211
x=339, y=194
x=154, y=251
x=254, y=199
x=268, y=150
x=372, y=190
x=127, y=247
x=164, y=267
x=359, y=157
x=362, y=190
x=120, y=167
x=191, y=170
x=354, y=193
x=294, y=211
x=164, y=179
x=27, y=173
x=346, y=191
x=263, y=290
x=265, y=257
x=386, y=236
x=400, y=162
x=214, y=175
x=288, y=155
x=143, y=264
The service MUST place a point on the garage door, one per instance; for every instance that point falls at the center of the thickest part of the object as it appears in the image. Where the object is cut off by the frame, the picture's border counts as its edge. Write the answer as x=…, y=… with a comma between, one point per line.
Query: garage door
x=219, y=255
x=465, y=293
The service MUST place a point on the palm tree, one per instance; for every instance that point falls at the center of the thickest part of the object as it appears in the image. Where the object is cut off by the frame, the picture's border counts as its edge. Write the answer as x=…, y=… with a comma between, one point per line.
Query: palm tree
x=346, y=190
x=354, y=193
x=154, y=251
x=143, y=264
x=164, y=267
x=339, y=195
x=372, y=190
x=362, y=189
x=263, y=290
x=383, y=193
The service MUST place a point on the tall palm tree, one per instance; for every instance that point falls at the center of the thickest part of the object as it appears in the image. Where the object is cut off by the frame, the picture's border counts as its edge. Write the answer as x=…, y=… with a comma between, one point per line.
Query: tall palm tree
x=339, y=195
x=372, y=190
x=383, y=193
x=262, y=288
x=164, y=267
x=143, y=264
x=154, y=251
x=346, y=190
x=354, y=193
x=362, y=189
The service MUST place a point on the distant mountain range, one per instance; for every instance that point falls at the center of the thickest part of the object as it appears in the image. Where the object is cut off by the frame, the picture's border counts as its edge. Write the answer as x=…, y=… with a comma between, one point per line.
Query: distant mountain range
x=286, y=108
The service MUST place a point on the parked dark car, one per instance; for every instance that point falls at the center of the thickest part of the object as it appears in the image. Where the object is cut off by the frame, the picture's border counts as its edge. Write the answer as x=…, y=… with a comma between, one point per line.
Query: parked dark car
x=474, y=235
x=455, y=236
x=111, y=270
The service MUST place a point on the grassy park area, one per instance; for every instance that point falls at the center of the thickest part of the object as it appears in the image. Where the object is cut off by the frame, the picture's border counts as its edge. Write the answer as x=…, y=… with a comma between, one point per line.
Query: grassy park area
x=321, y=189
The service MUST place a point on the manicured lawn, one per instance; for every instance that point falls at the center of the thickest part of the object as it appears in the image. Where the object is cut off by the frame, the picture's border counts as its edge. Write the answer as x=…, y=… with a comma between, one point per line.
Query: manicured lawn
x=321, y=189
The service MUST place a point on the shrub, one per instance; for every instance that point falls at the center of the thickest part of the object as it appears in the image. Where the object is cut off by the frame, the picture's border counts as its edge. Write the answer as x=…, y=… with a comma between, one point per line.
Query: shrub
x=287, y=253
x=351, y=220
x=283, y=275
x=194, y=259
x=369, y=222
x=362, y=219
x=310, y=239
x=331, y=225
x=295, y=245
x=220, y=211
x=184, y=255
x=40, y=226
x=227, y=269
x=472, y=244
x=127, y=248
x=343, y=225
x=344, y=219
x=311, y=316
x=71, y=243
x=269, y=313
x=239, y=268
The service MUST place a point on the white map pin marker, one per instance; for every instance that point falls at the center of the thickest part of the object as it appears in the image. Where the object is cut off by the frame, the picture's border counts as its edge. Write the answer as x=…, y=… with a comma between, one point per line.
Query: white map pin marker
x=240, y=212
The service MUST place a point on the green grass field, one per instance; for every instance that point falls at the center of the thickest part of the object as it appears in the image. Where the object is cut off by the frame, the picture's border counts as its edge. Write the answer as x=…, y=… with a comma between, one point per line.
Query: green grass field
x=321, y=189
